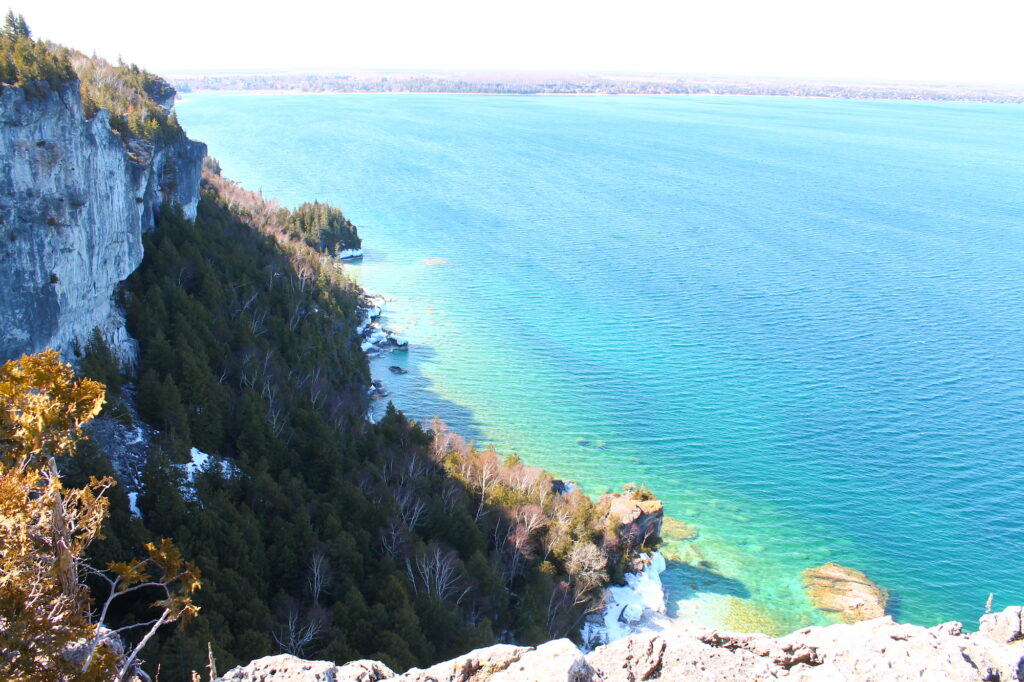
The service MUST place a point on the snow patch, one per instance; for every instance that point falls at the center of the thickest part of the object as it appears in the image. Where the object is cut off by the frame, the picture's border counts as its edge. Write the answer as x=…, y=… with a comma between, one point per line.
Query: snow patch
x=137, y=436
x=200, y=462
x=638, y=606
x=133, y=505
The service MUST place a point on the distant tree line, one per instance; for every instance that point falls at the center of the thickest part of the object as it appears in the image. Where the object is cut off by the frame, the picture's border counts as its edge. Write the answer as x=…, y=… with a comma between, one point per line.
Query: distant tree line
x=594, y=85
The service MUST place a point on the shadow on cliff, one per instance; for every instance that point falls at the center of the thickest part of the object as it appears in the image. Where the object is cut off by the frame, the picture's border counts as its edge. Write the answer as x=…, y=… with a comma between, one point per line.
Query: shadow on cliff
x=686, y=581
x=416, y=395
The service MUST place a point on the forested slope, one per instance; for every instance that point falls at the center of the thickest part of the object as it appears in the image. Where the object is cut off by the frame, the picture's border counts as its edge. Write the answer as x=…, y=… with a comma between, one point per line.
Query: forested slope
x=317, y=532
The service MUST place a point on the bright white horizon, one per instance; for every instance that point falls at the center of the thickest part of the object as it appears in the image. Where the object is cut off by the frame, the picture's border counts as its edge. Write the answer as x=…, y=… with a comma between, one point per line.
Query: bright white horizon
x=883, y=40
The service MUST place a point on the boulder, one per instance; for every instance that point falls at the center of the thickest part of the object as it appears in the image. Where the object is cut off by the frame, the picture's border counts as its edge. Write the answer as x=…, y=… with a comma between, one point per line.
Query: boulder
x=288, y=668
x=1006, y=627
x=845, y=591
x=557, y=661
x=476, y=665
x=632, y=613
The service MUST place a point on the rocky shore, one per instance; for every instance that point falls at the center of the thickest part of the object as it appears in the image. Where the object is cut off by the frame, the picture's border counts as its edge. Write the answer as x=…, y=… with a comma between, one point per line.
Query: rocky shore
x=373, y=336
x=877, y=649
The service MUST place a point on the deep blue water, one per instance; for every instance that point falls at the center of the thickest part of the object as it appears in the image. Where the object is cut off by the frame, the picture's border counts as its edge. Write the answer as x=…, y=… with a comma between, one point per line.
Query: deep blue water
x=799, y=321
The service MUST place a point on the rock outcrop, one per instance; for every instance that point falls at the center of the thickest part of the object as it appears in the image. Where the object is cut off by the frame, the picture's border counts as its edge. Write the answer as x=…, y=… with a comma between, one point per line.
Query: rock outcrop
x=845, y=591
x=74, y=202
x=872, y=650
x=286, y=668
x=558, y=660
x=639, y=516
x=1006, y=627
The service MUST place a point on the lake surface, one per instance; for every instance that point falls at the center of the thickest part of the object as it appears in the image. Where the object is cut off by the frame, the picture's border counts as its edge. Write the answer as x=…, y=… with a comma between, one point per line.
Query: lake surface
x=799, y=321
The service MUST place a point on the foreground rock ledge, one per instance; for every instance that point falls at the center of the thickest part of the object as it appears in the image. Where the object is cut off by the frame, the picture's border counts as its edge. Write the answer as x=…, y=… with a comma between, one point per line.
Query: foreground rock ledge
x=872, y=650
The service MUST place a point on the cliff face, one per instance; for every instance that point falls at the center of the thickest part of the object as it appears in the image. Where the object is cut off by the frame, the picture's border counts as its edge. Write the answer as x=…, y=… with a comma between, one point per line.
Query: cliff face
x=73, y=205
x=870, y=650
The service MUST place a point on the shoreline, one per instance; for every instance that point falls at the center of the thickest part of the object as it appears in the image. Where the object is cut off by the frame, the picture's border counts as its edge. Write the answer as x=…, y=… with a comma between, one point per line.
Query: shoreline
x=661, y=602
x=183, y=96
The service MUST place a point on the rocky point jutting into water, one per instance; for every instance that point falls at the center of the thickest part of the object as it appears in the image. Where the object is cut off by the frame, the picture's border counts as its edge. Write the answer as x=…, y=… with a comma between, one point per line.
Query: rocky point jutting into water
x=74, y=202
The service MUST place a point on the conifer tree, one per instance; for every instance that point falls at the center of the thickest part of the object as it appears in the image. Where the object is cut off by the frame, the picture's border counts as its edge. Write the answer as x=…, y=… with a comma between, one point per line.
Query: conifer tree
x=47, y=628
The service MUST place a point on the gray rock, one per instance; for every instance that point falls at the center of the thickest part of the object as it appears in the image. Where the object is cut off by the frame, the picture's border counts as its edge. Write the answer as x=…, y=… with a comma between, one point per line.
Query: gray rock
x=557, y=661
x=1005, y=627
x=73, y=206
x=478, y=664
x=869, y=650
x=287, y=668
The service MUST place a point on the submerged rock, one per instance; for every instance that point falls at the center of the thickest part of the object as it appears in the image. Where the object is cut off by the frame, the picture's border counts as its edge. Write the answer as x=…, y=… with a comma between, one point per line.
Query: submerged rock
x=395, y=369
x=845, y=591
x=673, y=529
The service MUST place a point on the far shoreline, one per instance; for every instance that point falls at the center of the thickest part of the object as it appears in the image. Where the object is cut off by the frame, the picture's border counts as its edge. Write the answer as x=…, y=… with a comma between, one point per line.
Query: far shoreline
x=183, y=96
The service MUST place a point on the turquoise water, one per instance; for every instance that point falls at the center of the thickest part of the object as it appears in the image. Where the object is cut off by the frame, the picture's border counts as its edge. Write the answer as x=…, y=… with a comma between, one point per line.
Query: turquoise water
x=799, y=321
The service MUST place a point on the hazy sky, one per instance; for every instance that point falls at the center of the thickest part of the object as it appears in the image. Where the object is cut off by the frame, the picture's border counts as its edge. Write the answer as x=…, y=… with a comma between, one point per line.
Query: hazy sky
x=933, y=40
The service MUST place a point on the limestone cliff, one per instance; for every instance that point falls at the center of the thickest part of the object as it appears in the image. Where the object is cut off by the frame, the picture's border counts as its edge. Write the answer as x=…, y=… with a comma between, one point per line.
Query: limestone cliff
x=872, y=650
x=74, y=202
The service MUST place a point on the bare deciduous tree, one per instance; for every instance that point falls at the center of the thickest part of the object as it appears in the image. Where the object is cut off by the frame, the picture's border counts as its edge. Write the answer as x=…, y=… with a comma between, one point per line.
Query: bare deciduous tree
x=435, y=571
x=586, y=566
x=410, y=506
x=320, y=574
x=488, y=464
x=393, y=537
x=298, y=627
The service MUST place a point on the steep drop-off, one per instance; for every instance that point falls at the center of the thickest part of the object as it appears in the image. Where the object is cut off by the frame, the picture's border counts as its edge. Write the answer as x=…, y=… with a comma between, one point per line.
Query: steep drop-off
x=74, y=202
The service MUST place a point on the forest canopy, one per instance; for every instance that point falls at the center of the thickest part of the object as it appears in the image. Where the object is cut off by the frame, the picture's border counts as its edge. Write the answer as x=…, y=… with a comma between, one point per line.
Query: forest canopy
x=317, y=532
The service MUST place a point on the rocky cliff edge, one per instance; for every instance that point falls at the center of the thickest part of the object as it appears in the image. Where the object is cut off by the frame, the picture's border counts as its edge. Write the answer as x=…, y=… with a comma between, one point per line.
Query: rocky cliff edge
x=877, y=649
x=74, y=202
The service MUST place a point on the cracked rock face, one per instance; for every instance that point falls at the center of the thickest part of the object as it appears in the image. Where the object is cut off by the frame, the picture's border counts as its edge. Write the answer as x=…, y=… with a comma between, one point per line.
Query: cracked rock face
x=73, y=207
x=868, y=651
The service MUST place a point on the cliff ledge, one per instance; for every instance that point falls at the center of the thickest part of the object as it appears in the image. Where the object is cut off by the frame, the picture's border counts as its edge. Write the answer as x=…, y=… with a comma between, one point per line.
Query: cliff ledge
x=876, y=649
